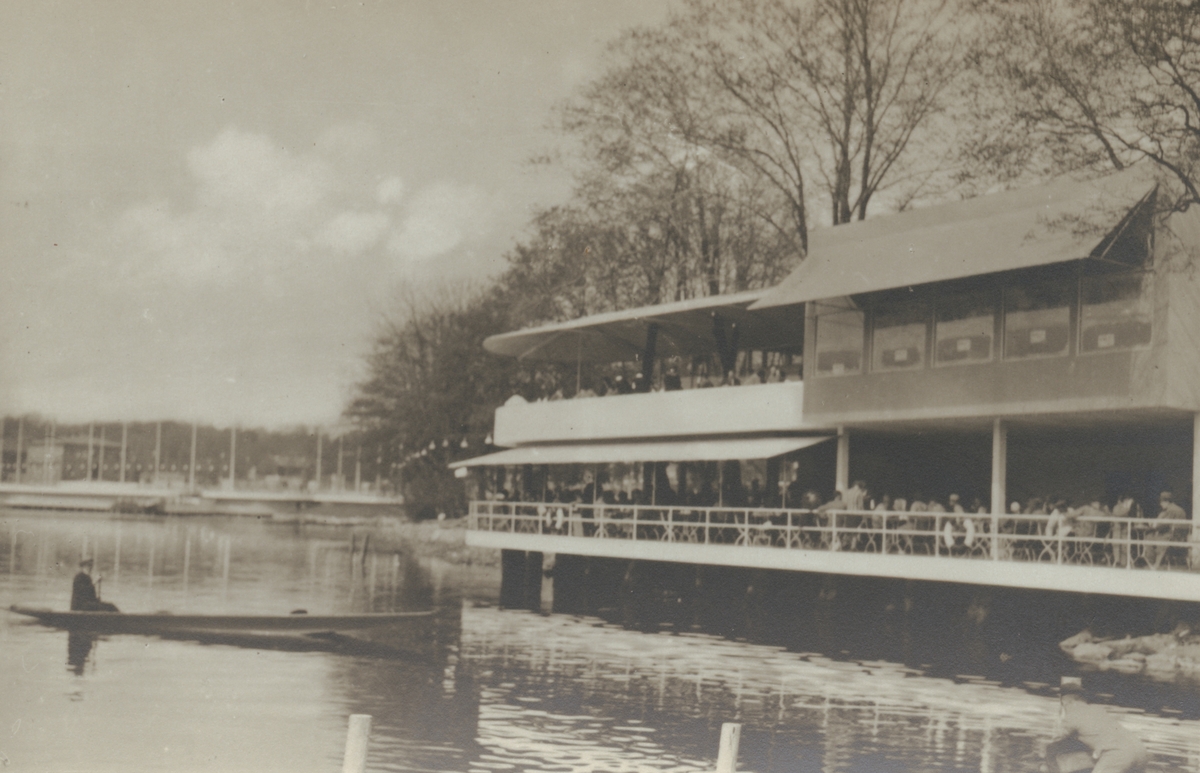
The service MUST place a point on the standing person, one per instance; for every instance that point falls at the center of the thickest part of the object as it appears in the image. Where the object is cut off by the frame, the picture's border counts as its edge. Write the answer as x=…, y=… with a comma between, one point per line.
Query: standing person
x=856, y=495
x=1125, y=508
x=1167, y=511
x=83, y=592
x=1115, y=749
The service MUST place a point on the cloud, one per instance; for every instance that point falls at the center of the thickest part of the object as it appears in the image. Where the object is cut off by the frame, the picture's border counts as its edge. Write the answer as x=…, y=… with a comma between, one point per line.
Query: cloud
x=389, y=191
x=351, y=233
x=250, y=295
x=437, y=220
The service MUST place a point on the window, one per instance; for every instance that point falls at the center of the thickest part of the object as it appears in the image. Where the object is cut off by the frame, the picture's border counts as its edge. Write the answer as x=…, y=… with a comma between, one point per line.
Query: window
x=1037, y=320
x=839, y=339
x=1116, y=313
x=899, y=341
x=965, y=327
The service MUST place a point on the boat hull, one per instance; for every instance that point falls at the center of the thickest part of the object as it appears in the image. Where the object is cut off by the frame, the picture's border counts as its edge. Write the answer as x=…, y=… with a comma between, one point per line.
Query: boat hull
x=122, y=622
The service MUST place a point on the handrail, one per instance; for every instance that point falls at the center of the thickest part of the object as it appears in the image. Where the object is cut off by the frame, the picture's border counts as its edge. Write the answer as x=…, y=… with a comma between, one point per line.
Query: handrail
x=1130, y=543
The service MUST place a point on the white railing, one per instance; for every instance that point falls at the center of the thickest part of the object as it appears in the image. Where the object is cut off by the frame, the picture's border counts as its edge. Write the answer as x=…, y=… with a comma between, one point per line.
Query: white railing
x=1087, y=540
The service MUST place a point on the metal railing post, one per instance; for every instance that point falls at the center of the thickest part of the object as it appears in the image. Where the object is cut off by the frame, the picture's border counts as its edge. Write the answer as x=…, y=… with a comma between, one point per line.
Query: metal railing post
x=995, y=537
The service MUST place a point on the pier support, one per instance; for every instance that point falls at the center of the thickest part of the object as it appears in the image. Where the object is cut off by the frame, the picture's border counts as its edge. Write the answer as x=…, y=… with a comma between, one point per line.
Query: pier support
x=521, y=580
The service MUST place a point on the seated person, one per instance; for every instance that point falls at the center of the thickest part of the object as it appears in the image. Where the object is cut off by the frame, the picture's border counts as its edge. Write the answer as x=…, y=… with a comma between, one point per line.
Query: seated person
x=84, y=597
x=671, y=381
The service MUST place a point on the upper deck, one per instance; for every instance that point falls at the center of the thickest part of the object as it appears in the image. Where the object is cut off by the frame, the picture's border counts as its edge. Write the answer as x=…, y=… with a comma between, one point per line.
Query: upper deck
x=742, y=410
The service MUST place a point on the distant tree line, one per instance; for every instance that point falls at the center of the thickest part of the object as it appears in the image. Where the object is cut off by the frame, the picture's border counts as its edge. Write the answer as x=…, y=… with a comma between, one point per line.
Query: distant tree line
x=711, y=145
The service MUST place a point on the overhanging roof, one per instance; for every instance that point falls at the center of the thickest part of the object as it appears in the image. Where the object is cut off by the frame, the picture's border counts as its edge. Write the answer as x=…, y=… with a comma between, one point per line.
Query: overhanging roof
x=1061, y=221
x=684, y=328
x=655, y=451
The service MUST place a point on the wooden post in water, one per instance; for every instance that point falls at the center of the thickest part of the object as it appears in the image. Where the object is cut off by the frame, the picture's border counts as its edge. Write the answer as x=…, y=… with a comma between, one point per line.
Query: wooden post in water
x=355, y=758
x=731, y=733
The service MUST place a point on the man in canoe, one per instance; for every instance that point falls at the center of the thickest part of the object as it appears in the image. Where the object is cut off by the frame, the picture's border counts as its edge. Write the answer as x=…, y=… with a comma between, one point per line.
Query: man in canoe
x=1115, y=749
x=84, y=597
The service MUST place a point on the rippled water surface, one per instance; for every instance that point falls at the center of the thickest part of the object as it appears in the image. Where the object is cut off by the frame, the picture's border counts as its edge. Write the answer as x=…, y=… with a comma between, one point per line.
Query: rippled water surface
x=475, y=688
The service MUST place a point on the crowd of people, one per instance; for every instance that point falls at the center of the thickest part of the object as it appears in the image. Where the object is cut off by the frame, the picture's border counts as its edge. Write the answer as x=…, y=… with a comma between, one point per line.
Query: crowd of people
x=622, y=381
x=1123, y=533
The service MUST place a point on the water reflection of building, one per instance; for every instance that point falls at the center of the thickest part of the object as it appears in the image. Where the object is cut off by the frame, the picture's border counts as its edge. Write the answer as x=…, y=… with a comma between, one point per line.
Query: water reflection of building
x=800, y=711
x=1028, y=347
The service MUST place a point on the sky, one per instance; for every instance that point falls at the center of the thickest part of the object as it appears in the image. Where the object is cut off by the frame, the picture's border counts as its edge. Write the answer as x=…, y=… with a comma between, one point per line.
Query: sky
x=207, y=208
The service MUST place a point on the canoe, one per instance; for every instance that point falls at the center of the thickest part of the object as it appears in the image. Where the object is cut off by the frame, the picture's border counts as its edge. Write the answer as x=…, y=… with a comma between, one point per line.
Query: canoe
x=163, y=622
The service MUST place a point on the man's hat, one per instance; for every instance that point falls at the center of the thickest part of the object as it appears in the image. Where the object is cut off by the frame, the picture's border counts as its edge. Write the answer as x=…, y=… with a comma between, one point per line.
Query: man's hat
x=1070, y=685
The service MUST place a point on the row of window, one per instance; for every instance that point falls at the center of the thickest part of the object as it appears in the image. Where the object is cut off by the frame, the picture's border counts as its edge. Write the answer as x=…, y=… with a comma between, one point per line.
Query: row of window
x=1114, y=313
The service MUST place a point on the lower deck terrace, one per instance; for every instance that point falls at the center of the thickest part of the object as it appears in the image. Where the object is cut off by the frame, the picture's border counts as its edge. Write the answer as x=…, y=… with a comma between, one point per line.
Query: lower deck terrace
x=1152, y=558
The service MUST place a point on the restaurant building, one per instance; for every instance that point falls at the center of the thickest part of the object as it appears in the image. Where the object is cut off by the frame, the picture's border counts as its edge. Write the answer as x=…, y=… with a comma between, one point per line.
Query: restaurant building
x=1028, y=361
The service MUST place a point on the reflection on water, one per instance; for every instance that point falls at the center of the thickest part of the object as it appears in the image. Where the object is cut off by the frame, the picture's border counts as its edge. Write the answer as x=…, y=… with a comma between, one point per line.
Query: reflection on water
x=595, y=682
x=473, y=688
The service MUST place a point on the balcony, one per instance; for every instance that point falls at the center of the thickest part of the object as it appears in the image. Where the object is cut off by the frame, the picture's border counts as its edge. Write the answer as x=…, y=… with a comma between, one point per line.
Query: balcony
x=741, y=410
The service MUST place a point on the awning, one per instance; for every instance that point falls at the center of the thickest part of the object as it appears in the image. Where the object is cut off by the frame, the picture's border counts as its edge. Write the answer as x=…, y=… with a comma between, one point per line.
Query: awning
x=684, y=328
x=654, y=451
x=1064, y=220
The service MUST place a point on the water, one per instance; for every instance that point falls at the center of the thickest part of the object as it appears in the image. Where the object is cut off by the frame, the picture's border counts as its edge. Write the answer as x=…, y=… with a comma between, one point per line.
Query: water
x=476, y=688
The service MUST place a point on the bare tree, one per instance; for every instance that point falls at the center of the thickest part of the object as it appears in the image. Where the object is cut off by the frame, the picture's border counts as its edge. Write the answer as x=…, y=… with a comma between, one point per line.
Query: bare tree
x=1089, y=84
x=844, y=88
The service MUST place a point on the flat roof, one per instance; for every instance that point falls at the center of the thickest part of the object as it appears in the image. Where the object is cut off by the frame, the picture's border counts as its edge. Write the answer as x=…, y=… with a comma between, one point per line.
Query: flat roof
x=1057, y=222
x=684, y=328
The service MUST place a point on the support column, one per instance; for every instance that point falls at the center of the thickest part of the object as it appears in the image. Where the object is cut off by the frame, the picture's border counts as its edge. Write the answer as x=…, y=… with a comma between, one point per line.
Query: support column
x=999, y=467
x=999, y=481
x=842, y=477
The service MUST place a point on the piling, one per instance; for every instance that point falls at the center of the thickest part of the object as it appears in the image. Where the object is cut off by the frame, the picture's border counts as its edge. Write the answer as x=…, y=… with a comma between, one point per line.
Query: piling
x=355, y=759
x=731, y=733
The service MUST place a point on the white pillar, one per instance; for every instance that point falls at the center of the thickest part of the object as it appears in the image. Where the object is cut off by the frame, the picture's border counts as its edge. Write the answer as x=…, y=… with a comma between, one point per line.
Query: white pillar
x=999, y=481
x=999, y=467
x=842, y=476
